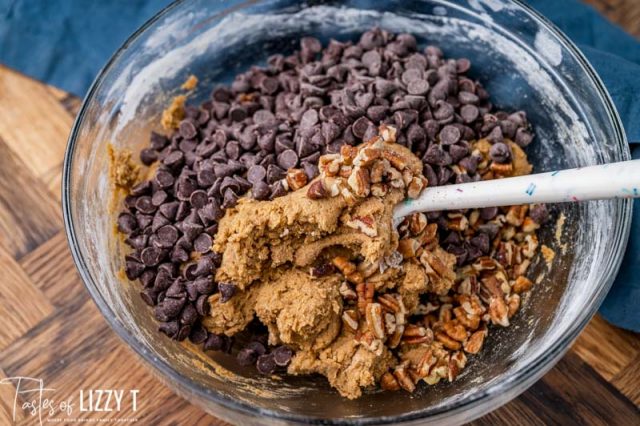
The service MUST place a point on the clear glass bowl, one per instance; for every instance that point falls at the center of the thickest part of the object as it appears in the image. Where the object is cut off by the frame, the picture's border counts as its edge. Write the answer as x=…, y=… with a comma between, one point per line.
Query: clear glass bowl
x=524, y=62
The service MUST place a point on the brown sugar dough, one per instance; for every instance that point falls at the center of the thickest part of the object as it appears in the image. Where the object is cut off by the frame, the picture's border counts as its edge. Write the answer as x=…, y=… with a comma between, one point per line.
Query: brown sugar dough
x=347, y=365
x=123, y=172
x=174, y=113
x=296, y=229
x=301, y=311
x=233, y=315
x=290, y=234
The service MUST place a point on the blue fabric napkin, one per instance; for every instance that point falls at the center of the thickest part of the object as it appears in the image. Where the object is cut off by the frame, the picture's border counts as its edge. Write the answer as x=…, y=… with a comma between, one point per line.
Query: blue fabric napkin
x=64, y=43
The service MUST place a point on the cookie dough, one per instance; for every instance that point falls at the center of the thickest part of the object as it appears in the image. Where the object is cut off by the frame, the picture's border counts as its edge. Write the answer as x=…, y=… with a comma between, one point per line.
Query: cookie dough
x=280, y=253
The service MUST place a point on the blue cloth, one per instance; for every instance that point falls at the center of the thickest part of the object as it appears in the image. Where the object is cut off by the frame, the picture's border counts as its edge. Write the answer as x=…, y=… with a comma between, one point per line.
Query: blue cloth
x=65, y=42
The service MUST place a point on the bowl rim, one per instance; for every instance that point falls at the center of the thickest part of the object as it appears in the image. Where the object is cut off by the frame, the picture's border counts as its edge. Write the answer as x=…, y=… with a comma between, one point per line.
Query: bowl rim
x=513, y=385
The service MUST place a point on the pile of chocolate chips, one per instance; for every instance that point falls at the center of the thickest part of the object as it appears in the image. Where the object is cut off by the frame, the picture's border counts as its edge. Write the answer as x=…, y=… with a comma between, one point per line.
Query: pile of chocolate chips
x=285, y=116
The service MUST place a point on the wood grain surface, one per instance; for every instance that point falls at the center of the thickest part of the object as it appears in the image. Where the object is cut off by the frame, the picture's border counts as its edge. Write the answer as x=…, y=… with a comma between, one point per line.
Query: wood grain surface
x=52, y=330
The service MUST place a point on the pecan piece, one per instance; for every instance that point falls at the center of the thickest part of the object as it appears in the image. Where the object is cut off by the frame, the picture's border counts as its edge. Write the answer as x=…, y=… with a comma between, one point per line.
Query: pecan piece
x=379, y=189
x=365, y=296
x=521, y=284
x=296, y=179
x=455, y=330
x=475, y=342
x=317, y=191
x=403, y=378
x=415, y=186
x=387, y=133
x=375, y=320
x=350, y=319
x=344, y=265
x=389, y=382
x=364, y=224
x=499, y=311
x=447, y=341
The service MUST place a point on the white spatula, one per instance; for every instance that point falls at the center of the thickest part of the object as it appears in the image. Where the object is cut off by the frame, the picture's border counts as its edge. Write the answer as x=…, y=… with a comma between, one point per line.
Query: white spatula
x=614, y=180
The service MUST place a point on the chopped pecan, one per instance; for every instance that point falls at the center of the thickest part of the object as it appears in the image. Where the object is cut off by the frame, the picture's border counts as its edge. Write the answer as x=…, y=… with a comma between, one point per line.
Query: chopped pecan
x=364, y=224
x=379, y=189
x=501, y=169
x=516, y=214
x=347, y=292
x=389, y=302
x=471, y=322
x=317, y=191
x=521, y=284
x=344, y=265
x=408, y=247
x=377, y=171
x=414, y=335
x=296, y=179
x=329, y=164
x=455, y=330
x=530, y=246
x=457, y=362
x=405, y=382
x=359, y=182
x=529, y=225
x=345, y=171
x=389, y=382
x=415, y=186
x=390, y=323
x=348, y=154
x=375, y=320
x=499, y=311
x=387, y=133
x=396, y=337
x=458, y=223
x=366, y=156
x=373, y=344
x=475, y=342
x=395, y=178
x=513, y=304
x=350, y=319
x=417, y=223
x=355, y=277
x=365, y=296
x=447, y=341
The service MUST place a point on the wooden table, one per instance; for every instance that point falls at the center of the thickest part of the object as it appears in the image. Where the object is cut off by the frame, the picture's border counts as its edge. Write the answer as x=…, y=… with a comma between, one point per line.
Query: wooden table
x=52, y=330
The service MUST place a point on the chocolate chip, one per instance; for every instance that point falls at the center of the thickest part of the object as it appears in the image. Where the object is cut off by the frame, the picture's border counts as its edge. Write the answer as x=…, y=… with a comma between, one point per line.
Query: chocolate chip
x=523, y=138
x=198, y=334
x=151, y=256
x=133, y=269
x=227, y=290
x=482, y=242
x=167, y=236
x=260, y=191
x=266, y=364
x=418, y=87
x=205, y=285
x=169, y=308
x=458, y=152
x=377, y=113
x=282, y=355
x=144, y=220
x=202, y=243
x=198, y=199
x=500, y=153
x=187, y=129
x=149, y=296
x=288, y=159
x=360, y=127
x=430, y=174
x=216, y=342
x=189, y=315
x=145, y=205
x=488, y=213
x=177, y=290
x=257, y=346
x=127, y=223
x=470, y=164
x=184, y=332
x=469, y=113
x=202, y=305
x=174, y=159
x=322, y=270
x=148, y=156
x=437, y=156
x=170, y=328
x=246, y=357
x=539, y=213
x=449, y=135
x=237, y=113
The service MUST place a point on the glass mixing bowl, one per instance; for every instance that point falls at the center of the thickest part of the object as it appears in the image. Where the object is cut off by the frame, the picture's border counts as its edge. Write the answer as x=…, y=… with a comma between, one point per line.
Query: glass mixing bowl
x=524, y=62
